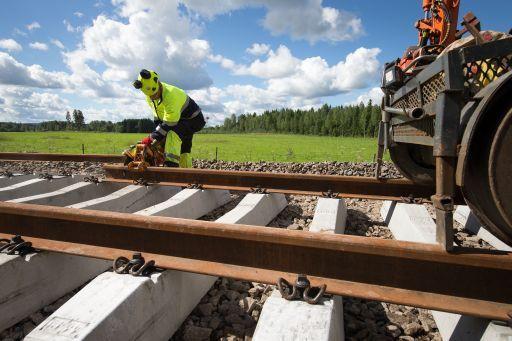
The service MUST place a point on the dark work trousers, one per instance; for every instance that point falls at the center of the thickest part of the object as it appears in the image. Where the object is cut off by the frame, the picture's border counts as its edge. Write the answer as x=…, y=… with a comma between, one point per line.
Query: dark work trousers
x=186, y=128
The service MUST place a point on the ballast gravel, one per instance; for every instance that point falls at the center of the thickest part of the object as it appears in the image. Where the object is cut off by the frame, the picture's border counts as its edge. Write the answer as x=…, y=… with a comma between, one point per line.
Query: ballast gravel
x=231, y=308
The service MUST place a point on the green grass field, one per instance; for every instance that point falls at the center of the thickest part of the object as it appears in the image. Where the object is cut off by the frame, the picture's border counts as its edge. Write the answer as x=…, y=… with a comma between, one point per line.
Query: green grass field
x=231, y=147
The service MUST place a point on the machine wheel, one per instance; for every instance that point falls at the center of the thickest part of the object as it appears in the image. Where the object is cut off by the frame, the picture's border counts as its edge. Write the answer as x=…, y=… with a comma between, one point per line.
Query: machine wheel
x=500, y=168
x=415, y=162
x=487, y=185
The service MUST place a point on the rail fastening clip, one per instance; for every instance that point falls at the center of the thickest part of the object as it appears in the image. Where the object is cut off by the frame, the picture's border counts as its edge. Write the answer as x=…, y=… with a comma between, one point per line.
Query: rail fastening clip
x=301, y=289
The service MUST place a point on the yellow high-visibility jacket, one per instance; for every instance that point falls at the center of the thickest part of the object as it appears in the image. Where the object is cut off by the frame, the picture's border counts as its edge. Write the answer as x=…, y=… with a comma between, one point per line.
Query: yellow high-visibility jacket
x=174, y=105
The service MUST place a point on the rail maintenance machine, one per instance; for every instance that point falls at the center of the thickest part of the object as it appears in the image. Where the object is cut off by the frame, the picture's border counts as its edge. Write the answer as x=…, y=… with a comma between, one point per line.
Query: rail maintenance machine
x=447, y=117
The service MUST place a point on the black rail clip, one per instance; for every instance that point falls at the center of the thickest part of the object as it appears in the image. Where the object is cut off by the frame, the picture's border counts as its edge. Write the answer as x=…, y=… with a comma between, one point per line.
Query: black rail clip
x=137, y=266
x=194, y=186
x=46, y=176
x=7, y=174
x=411, y=200
x=301, y=289
x=92, y=179
x=330, y=194
x=141, y=182
x=259, y=190
x=16, y=246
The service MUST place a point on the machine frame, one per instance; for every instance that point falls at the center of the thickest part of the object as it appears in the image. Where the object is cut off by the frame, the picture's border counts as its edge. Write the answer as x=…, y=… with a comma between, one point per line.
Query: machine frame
x=427, y=109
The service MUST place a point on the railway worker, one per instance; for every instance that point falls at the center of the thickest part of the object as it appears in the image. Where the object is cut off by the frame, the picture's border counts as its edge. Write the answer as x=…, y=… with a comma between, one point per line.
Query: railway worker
x=177, y=117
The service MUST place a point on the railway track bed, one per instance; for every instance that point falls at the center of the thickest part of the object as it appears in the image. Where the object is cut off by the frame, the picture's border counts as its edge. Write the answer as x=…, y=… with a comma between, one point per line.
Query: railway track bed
x=296, y=211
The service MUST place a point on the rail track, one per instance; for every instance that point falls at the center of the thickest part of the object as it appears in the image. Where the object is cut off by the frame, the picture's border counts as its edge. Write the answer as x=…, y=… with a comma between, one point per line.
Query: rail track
x=465, y=280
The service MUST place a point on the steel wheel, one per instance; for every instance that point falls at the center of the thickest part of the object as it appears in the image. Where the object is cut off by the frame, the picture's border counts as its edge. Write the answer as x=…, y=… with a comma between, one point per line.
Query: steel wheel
x=487, y=173
x=415, y=162
x=500, y=168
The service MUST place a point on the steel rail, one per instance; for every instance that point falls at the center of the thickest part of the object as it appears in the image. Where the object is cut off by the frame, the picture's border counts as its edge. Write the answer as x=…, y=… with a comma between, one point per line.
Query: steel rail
x=468, y=281
x=107, y=158
x=311, y=184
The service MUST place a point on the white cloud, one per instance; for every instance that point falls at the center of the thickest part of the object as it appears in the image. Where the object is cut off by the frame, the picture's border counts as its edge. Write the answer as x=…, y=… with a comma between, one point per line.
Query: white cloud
x=78, y=14
x=39, y=46
x=26, y=105
x=19, y=32
x=58, y=43
x=33, y=26
x=311, y=77
x=10, y=45
x=218, y=104
x=210, y=99
x=278, y=64
x=258, y=49
x=71, y=28
x=315, y=78
x=224, y=62
x=374, y=94
x=300, y=19
x=15, y=73
x=140, y=39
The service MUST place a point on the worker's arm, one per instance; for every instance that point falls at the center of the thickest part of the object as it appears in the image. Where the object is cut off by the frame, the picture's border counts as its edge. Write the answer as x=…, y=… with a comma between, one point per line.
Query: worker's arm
x=172, y=103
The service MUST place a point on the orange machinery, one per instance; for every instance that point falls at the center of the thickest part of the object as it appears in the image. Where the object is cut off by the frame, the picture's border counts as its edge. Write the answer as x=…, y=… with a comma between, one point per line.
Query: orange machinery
x=436, y=30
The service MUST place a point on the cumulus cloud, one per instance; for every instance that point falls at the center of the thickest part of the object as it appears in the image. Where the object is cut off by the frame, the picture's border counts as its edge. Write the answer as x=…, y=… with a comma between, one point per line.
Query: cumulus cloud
x=10, y=45
x=210, y=99
x=278, y=64
x=141, y=39
x=311, y=77
x=26, y=105
x=33, y=26
x=301, y=19
x=374, y=94
x=78, y=14
x=258, y=49
x=15, y=73
x=290, y=82
x=315, y=78
x=58, y=43
x=217, y=103
x=38, y=46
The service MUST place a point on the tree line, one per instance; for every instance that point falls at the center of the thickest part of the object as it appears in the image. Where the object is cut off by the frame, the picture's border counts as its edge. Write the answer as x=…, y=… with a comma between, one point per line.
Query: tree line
x=125, y=126
x=352, y=120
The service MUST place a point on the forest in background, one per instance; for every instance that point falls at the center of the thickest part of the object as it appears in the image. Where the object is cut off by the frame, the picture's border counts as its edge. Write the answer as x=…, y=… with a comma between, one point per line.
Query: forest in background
x=352, y=120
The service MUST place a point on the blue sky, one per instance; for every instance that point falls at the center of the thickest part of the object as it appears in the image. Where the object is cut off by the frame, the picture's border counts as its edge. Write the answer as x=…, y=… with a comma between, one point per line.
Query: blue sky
x=60, y=55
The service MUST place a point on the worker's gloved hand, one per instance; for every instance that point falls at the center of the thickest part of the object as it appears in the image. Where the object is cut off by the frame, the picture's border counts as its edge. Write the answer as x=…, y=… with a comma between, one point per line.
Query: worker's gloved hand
x=147, y=141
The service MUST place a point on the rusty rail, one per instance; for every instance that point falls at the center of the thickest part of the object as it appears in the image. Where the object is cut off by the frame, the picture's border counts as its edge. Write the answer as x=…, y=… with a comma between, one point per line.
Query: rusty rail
x=466, y=281
x=107, y=158
x=307, y=184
